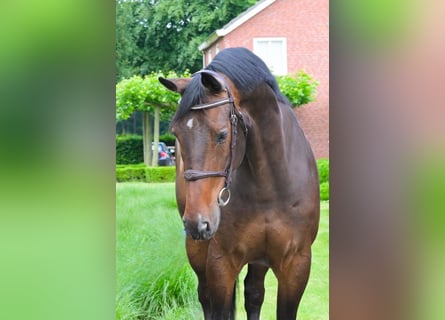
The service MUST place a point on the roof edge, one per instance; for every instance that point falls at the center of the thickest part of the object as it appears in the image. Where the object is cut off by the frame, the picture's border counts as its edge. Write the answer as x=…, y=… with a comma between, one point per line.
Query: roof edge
x=209, y=41
x=235, y=23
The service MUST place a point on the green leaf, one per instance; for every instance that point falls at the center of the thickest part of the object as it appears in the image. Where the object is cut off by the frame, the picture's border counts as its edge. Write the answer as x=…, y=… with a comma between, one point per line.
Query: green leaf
x=300, y=88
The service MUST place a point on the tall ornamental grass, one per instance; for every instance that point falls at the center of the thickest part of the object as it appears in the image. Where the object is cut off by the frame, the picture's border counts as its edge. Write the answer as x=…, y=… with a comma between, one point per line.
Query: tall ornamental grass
x=154, y=279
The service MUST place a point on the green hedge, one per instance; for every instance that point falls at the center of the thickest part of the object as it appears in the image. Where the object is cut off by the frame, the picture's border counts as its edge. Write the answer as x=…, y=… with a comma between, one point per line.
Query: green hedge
x=323, y=173
x=129, y=149
x=160, y=174
x=323, y=170
x=324, y=191
x=140, y=172
x=168, y=139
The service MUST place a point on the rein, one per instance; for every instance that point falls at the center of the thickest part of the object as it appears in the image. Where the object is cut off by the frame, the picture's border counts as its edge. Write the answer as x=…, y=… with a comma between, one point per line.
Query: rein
x=235, y=116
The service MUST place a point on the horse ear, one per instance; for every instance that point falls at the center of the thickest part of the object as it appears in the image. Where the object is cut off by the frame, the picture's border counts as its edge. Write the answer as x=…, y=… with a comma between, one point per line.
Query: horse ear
x=176, y=85
x=212, y=83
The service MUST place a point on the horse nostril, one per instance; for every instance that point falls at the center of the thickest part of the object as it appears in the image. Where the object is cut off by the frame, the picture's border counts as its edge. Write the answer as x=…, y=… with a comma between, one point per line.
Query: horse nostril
x=203, y=226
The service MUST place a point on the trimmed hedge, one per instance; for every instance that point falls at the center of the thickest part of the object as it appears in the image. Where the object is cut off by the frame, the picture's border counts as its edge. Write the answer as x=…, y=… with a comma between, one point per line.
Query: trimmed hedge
x=140, y=172
x=160, y=174
x=129, y=149
x=168, y=139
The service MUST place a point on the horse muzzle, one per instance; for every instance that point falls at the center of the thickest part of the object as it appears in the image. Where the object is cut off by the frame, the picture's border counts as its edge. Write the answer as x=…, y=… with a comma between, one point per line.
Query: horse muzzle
x=200, y=228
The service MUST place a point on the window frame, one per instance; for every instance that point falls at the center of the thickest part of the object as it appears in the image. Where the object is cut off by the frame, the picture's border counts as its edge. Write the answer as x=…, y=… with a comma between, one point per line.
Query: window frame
x=283, y=60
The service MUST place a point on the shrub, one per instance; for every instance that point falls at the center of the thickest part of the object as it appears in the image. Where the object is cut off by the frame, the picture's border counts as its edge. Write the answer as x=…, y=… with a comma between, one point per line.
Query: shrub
x=129, y=149
x=168, y=139
x=298, y=89
x=324, y=190
x=130, y=173
x=143, y=165
x=323, y=170
x=140, y=172
x=160, y=174
x=323, y=173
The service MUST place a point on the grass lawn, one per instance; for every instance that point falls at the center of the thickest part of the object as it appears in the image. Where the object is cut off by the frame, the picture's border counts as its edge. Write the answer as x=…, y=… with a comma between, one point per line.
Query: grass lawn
x=154, y=279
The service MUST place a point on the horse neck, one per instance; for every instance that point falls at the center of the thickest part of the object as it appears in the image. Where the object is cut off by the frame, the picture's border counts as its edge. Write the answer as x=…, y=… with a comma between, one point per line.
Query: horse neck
x=266, y=147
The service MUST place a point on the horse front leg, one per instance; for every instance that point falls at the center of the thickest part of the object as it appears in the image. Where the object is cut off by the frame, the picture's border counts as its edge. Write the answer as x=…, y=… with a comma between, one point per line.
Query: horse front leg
x=292, y=280
x=197, y=255
x=221, y=277
x=203, y=296
x=254, y=290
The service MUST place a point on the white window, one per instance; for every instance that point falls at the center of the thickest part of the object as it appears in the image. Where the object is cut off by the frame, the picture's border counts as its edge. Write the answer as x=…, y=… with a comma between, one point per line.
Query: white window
x=273, y=51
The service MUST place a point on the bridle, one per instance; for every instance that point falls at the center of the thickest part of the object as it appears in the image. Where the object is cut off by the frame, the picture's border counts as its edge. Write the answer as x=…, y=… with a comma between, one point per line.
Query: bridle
x=235, y=116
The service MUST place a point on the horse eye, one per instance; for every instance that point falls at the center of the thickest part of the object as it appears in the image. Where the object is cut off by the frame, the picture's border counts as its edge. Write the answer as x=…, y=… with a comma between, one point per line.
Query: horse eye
x=221, y=137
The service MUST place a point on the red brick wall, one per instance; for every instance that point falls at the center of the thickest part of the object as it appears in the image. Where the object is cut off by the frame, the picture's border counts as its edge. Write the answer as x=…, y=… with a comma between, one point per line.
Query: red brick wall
x=314, y=119
x=305, y=24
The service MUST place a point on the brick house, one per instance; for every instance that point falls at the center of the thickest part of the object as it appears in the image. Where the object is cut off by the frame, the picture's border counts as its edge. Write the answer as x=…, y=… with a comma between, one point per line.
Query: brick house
x=288, y=35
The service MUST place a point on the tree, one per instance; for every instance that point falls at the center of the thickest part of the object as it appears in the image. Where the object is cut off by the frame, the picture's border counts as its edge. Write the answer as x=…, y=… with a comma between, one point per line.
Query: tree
x=130, y=26
x=147, y=95
x=154, y=35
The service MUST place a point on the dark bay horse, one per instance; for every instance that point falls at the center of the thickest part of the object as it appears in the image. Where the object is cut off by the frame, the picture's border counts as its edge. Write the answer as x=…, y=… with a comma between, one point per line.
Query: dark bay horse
x=246, y=185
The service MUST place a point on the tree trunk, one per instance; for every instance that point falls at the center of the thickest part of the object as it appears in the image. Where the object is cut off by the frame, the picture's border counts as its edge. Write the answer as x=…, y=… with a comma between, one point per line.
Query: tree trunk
x=146, y=137
x=156, y=137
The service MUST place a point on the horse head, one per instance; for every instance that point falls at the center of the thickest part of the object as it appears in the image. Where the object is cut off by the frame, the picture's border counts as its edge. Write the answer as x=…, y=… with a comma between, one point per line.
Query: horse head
x=206, y=126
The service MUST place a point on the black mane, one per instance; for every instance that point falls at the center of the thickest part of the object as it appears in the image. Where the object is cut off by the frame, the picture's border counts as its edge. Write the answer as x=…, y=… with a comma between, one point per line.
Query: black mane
x=245, y=70
x=242, y=67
